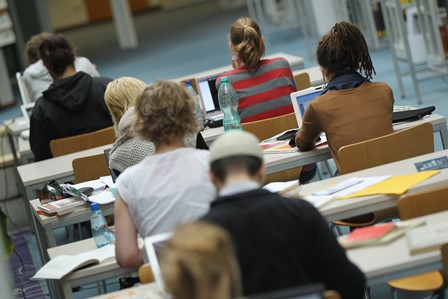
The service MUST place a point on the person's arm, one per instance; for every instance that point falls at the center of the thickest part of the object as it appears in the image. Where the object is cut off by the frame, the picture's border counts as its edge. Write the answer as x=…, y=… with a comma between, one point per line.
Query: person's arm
x=309, y=131
x=127, y=252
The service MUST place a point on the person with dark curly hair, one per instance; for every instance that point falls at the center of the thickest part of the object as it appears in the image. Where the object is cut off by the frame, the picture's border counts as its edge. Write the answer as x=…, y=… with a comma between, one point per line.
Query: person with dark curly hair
x=352, y=108
x=169, y=188
x=36, y=76
x=72, y=105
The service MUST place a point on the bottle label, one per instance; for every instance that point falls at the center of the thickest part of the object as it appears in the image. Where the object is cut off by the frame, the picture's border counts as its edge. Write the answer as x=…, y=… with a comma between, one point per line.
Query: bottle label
x=233, y=126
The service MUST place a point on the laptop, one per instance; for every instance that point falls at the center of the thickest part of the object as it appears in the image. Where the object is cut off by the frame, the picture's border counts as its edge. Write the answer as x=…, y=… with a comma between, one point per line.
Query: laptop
x=208, y=94
x=301, y=100
x=153, y=247
x=27, y=109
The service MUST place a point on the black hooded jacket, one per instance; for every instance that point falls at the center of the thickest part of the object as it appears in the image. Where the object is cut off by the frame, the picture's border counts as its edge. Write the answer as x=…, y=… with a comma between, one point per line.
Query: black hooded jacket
x=70, y=106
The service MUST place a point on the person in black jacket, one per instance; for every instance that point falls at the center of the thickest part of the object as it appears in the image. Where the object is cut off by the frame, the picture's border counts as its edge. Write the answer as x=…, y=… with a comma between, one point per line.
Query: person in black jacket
x=72, y=105
x=280, y=242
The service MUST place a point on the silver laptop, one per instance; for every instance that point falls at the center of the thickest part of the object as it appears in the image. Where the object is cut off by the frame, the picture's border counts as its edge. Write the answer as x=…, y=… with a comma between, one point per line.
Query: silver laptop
x=153, y=247
x=27, y=109
x=301, y=100
x=208, y=93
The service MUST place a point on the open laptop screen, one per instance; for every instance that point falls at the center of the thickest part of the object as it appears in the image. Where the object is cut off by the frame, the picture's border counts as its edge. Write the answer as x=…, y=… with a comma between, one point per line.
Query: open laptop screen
x=153, y=247
x=302, y=99
x=208, y=93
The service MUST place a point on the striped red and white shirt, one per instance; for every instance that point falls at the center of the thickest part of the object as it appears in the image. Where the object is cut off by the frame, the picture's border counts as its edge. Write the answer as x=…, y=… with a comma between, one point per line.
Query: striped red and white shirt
x=264, y=93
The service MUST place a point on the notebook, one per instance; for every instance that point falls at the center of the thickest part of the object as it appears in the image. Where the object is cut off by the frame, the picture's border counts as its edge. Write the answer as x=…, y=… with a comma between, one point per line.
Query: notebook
x=208, y=93
x=27, y=109
x=302, y=98
x=153, y=247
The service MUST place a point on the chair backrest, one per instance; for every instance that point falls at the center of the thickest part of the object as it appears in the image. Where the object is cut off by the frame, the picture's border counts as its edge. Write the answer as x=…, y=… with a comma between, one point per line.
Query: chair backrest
x=269, y=127
x=331, y=294
x=73, y=144
x=444, y=252
x=25, y=95
x=145, y=274
x=400, y=145
x=90, y=168
x=302, y=81
x=423, y=203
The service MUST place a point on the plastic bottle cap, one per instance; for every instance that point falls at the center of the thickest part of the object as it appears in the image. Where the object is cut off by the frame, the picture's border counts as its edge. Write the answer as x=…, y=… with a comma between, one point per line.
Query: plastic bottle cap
x=188, y=83
x=94, y=206
x=224, y=79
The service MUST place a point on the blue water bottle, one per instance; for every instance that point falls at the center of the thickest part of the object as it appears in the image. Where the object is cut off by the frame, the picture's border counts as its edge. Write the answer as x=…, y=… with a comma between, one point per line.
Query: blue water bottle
x=228, y=102
x=100, y=229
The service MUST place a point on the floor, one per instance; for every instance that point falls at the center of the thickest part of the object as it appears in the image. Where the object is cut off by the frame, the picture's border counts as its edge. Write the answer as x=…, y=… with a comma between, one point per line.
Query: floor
x=187, y=40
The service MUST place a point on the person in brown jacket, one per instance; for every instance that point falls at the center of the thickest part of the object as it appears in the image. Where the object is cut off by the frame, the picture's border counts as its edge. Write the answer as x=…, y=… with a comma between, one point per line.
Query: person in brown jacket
x=352, y=108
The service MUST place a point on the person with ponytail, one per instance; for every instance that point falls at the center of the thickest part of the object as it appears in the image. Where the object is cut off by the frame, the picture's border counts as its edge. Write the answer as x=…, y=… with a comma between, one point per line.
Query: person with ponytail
x=352, y=108
x=263, y=86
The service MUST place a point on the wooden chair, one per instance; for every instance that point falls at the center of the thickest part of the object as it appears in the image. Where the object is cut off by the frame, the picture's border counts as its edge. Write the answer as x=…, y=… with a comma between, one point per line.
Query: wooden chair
x=400, y=145
x=73, y=144
x=90, y=168
x=266, y=128
x=415, y=205
x=302, y=81
x=145, y=274
x=331, y=294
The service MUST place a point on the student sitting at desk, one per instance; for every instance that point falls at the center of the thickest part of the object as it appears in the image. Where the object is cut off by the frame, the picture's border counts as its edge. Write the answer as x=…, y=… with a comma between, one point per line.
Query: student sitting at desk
x=128, y=149
x=36, y=76
x=168, y=188
x=199, y=262
x=73, y=104
x=351, y=109
x=280, y=242
x=263, y=85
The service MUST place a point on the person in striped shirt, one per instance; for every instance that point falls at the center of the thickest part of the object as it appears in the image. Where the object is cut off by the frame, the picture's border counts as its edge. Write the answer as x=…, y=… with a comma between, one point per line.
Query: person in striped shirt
x=263, y=85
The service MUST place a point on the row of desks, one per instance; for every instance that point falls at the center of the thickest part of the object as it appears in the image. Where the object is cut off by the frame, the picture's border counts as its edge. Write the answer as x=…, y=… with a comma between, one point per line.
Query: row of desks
x=378, y=263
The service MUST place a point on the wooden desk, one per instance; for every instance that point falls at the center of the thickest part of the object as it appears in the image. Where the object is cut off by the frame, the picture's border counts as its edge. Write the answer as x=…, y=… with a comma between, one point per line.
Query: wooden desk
x=99, y=272
x=296, y=63
x=392, y=261
x=341, y=209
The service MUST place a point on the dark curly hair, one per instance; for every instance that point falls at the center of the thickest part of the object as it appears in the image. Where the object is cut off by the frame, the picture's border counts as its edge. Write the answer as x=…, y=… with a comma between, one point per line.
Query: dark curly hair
x=165, y=111
x=345, y=47
x=57, y=53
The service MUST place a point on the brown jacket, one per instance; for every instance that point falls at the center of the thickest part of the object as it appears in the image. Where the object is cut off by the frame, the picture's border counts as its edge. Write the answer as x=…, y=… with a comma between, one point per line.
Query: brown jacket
x=348, y=116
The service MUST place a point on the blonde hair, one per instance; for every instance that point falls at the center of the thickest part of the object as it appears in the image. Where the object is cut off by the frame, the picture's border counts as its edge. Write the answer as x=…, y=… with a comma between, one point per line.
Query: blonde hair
x=199, y=262
x=165, y=111
x=120, y=95
x=247, y=41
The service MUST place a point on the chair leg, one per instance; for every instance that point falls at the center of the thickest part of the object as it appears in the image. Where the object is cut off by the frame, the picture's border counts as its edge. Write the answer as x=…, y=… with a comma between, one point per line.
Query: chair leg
x=394, y=293
x=337, y=227
x=328, y=167
x=367, y=293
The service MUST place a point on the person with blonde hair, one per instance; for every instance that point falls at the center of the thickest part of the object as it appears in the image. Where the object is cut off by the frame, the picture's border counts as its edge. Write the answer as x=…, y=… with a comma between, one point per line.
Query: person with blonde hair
x=36, y=76
x=263, y=86
x=198, y=262
x=168, y=188
x=128, y=149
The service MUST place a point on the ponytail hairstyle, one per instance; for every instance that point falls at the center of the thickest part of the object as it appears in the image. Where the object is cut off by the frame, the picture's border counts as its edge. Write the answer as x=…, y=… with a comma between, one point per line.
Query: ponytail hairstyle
x=57, y=53
x=345, y=47
x=199, y=262
x=246, y=38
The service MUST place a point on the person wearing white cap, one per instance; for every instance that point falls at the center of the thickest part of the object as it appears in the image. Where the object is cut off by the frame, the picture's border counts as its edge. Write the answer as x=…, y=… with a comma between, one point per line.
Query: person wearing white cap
x=280, y=242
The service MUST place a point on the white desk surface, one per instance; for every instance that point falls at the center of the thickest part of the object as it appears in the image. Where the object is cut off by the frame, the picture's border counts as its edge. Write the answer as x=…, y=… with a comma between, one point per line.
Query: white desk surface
x=296, y=62
x=345, y=208
x=141, y=291
x=392, y=261
x=98, y=272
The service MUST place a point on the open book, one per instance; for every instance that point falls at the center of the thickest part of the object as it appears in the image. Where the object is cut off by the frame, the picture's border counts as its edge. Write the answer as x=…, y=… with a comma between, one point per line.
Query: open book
x=378, y=234
x=62, y=265
x=427, y=238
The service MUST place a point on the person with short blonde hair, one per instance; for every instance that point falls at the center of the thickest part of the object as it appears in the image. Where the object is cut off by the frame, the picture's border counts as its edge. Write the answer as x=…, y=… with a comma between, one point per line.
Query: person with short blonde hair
x=168, y=188
x=198, y=262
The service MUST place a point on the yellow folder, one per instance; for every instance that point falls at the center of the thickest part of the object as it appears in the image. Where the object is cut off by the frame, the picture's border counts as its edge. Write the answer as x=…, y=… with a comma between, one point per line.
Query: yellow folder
x=394, y=185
